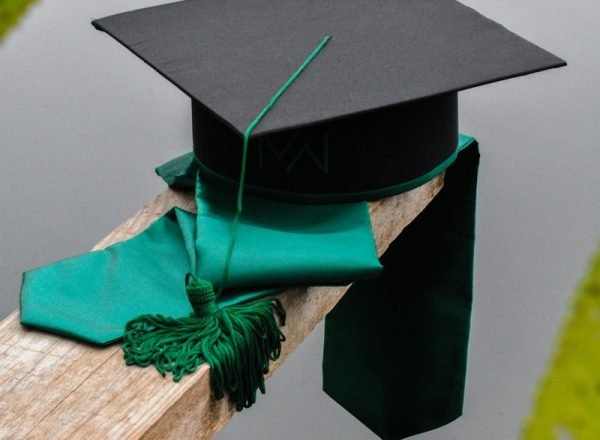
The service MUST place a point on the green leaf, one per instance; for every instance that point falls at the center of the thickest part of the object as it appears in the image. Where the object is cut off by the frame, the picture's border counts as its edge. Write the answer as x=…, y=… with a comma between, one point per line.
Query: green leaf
x=11, y=12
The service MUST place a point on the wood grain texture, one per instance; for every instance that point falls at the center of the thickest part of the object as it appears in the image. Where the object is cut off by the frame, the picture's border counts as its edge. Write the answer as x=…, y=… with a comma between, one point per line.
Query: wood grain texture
x=55, y=388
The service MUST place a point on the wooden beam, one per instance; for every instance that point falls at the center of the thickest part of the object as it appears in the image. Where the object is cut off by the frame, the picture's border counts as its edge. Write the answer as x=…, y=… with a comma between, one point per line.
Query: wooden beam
x=55, y=388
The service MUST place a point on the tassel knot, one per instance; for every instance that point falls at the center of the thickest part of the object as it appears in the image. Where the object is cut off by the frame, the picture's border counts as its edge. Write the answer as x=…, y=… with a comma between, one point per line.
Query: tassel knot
x=201, y=295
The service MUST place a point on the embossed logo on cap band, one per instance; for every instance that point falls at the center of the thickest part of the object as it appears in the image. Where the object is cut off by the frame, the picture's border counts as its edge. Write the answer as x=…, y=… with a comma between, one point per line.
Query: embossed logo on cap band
x=295, y=150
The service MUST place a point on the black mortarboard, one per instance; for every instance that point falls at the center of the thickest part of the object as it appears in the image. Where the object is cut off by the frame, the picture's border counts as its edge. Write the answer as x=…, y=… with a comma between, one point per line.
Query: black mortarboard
x=378, y=112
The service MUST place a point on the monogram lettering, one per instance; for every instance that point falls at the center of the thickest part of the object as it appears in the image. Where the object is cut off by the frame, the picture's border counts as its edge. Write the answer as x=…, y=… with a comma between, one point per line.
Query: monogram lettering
x=290, y=153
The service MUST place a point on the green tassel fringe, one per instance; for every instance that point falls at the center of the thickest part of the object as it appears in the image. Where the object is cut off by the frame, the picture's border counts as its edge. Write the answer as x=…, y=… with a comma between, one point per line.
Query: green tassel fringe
x=236, y=341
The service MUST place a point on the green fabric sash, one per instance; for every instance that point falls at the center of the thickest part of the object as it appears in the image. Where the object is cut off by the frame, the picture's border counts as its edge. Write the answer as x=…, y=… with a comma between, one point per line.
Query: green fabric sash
x=91, y=297
x=396, y=346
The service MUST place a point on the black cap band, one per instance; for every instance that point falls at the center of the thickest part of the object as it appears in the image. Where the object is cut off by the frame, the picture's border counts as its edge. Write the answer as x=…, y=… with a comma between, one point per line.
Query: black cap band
x=362, y=154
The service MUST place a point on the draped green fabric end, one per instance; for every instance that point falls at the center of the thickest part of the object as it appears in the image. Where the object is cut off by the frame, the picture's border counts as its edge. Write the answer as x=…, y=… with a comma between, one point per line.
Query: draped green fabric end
x=237, y=342
x=395, y=350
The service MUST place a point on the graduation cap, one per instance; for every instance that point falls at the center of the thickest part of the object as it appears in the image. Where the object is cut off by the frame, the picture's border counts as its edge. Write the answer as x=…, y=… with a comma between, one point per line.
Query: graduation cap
x=310, y=101
x=377, y=116
x=375, y=113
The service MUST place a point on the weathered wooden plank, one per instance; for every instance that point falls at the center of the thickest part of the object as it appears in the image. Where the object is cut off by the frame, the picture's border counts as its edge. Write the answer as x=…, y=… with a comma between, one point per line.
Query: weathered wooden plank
x=55, y=388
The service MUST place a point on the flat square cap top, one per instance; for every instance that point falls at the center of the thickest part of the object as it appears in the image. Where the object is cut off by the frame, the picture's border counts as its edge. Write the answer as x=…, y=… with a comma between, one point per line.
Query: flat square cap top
x=233, y=55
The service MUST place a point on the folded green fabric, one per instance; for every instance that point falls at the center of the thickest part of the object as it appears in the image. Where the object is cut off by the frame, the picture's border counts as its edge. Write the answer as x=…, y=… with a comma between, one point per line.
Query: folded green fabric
x=396, y=346
x=282, y=244
x=91, y=297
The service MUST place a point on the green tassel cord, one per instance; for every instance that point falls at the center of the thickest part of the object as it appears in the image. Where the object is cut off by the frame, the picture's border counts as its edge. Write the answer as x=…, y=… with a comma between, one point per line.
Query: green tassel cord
x=237, y=341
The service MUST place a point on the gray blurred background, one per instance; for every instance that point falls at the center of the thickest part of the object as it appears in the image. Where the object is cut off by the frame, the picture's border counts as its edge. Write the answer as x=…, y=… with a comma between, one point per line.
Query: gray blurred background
x=83, y=123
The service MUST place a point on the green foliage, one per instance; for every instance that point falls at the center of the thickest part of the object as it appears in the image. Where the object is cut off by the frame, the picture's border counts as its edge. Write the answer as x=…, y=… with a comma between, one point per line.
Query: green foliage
x=568, y=399
x=10, y=14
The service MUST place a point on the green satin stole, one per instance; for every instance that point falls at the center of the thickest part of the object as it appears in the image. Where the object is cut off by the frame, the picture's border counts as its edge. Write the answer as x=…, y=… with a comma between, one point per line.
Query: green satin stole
x=91, y=297
x=395, y=348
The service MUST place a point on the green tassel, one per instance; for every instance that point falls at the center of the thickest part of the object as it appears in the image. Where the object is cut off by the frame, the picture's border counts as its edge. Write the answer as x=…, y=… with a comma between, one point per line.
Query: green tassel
x=236, y=341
